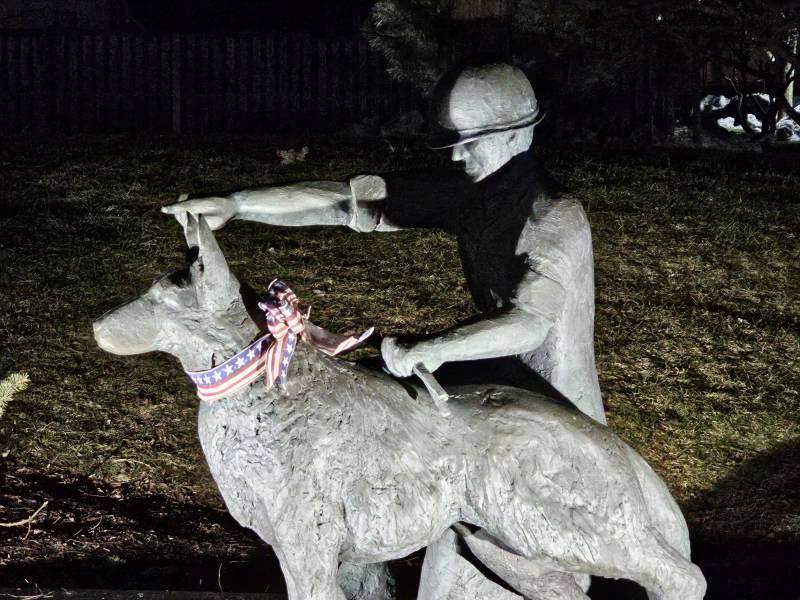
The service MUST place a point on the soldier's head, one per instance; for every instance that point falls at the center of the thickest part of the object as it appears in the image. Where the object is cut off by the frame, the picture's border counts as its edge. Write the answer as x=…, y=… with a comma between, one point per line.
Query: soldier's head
x=486, y=114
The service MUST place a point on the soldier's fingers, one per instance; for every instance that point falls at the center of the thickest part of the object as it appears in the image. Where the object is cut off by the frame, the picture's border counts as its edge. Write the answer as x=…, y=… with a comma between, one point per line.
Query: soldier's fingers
x=196, y=207
x=181, y=218
x=395, y=358
x=387, y=353
x=387, y=346
x=215, y=223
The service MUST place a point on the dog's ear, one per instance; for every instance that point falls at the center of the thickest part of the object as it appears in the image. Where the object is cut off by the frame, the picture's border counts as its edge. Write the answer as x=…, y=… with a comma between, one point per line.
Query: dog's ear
x=190, y=228
x=218, y=285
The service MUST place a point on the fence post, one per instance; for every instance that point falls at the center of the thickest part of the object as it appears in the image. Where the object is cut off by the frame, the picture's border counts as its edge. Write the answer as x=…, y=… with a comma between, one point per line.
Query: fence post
x=176, y=84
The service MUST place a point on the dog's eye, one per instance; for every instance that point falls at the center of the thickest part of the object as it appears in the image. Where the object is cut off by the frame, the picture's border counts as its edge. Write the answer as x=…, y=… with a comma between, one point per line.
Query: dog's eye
x=179, y=277
x=161, y=277
x=192, y=254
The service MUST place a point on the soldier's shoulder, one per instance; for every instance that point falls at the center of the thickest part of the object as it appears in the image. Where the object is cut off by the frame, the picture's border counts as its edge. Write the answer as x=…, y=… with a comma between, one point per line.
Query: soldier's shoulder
x=561, y=206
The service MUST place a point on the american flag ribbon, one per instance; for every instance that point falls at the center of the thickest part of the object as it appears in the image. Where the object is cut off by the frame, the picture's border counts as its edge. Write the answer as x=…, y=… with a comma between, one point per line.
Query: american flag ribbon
x=234, y=373
x=271, y=353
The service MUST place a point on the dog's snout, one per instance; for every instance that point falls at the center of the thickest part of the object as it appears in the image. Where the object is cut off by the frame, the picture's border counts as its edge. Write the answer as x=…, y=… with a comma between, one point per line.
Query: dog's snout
x=127, y=329
x=101, y=335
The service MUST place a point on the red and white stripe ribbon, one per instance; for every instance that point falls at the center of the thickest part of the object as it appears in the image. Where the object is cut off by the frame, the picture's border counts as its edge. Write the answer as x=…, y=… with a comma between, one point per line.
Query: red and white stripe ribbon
x=271, y=353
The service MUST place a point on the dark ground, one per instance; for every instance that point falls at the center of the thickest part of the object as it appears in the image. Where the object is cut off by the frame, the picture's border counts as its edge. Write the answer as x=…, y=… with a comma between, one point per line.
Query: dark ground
x=697, y=340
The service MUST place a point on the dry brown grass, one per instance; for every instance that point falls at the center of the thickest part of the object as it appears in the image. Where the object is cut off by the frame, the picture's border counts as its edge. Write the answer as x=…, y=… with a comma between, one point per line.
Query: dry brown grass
x=697, y=306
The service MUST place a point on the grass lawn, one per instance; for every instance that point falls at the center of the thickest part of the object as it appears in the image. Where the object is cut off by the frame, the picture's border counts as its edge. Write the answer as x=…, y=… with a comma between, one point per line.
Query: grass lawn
x=698, y=305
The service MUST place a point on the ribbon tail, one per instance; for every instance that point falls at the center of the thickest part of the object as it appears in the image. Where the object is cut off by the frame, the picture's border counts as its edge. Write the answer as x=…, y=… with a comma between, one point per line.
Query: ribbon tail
x=333, y=344
x=286, y=356
x=274, y=357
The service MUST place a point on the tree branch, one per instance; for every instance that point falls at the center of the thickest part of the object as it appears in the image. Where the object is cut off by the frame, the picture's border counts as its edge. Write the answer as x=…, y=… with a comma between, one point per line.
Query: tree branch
x=742, y=66
x=26, y=521
x=789, y=109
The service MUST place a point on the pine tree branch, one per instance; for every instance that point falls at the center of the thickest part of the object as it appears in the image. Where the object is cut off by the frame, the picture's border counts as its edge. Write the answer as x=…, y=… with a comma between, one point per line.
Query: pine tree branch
x=13, y=384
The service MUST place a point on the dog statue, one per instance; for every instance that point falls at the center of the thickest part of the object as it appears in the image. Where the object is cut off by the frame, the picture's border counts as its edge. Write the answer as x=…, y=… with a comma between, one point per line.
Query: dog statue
x=346, y=464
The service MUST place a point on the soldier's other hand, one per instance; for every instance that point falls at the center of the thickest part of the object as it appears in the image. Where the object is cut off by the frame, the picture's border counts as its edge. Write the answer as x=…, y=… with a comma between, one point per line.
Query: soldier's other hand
x=216, y=210
x=401, y=358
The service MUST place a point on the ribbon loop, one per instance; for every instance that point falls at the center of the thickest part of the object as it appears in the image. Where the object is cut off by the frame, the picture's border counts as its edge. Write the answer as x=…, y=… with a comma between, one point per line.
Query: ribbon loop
x=272, y=353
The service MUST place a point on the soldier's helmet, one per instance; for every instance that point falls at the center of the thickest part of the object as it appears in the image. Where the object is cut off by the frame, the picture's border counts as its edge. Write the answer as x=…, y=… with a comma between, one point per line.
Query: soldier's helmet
x=478, y=101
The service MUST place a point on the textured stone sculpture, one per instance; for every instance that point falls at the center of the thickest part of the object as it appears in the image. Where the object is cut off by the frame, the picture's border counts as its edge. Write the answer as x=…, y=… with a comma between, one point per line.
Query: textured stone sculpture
x=348, y=464
x=526, y=250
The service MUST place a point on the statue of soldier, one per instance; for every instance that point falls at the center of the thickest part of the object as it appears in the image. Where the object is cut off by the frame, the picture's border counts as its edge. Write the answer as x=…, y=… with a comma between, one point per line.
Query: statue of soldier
x=526, y=249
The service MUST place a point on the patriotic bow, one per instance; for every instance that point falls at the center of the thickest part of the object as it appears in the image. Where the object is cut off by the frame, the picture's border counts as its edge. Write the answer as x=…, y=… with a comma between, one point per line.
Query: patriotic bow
x=272, y=353
x=285, y=324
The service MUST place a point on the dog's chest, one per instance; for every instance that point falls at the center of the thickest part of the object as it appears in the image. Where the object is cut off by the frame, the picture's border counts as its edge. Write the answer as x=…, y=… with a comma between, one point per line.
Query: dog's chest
x=245, y=458
x=268, y=456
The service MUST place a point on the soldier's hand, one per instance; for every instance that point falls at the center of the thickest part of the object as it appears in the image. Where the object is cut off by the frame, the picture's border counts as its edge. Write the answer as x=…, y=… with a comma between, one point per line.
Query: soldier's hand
x=216, y=210
x=400, y=359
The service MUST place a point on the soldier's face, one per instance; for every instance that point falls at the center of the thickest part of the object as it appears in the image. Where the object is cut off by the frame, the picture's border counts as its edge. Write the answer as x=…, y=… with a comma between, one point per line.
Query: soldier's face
x=483, y=156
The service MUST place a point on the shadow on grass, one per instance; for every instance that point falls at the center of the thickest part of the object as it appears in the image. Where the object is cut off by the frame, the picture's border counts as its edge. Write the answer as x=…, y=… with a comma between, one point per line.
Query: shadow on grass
x=740, y=567
x=747, y=567
x=154, y=543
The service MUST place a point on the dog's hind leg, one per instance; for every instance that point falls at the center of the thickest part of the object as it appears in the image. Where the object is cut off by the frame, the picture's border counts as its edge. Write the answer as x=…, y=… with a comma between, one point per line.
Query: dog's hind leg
x=663, y=572
x=536, y=580
x=447, y=575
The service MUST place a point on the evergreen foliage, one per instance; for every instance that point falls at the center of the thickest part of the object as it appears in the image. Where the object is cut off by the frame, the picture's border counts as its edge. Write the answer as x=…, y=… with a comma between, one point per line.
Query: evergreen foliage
x=13, y=384
x=607, y=68
x=409, y=34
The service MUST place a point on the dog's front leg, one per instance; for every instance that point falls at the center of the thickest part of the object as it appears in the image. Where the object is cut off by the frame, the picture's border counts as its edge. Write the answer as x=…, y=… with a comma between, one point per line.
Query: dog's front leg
x=309, y=564
x=366, y=582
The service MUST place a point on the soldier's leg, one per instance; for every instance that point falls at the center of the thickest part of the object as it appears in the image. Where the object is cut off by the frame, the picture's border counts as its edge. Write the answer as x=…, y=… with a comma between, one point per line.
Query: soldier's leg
x=447, y=575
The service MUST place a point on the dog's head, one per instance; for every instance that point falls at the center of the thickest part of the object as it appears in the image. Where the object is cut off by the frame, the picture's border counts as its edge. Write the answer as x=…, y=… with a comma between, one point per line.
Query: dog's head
x=195, y=313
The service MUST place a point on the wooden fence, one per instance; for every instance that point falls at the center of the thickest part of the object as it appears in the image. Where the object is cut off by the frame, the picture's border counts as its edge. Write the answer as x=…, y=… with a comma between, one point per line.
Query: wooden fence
x=193, y=83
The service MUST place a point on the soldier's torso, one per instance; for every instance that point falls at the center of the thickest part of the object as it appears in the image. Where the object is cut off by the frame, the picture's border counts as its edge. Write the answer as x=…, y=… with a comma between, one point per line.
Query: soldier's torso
x=487, y=237
x=489, y=225
x=516, y=227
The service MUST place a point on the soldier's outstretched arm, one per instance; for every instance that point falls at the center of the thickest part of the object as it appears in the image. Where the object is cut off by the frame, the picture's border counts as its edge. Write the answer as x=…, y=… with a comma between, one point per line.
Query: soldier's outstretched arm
x=519, y=329
x=305, y=203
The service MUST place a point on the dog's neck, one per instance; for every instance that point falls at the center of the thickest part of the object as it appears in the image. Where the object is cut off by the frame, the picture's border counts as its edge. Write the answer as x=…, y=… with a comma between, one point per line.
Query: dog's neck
x=207, y=340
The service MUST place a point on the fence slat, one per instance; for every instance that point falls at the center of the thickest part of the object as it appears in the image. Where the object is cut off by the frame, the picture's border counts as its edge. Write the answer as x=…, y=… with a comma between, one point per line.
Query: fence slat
x=13, y=83
x=113, y=81
x=24, y=82
x=190, y=89
x=165, y=82
x=88, y=86
x=100, y=83
x=322, y=80
x=258, y=79
x=39, y=68
x=74, y=82
x=151, y=89
x=205, y=78
x=175, y=54
x=334, y=68
x=362, y=74
x=4, y=82
x=228, y=71
x=128, y=82
x=217, y=84
x=139, y=76
x=73, y=85
x=270, y=85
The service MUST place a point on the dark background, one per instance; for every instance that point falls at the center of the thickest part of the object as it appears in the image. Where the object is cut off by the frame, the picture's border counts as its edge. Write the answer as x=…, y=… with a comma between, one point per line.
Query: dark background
x=602, y=71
